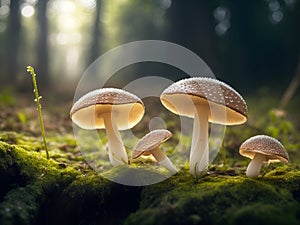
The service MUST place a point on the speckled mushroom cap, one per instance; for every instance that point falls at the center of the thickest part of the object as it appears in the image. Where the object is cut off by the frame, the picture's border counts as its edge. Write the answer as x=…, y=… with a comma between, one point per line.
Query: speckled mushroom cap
x=150, y=141
x=182, y=97
x=87, y=112
x=265, y=145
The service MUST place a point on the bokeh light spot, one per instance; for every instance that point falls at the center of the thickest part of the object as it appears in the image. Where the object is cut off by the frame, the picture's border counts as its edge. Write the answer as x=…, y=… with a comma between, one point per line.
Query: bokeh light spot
x=27, y=10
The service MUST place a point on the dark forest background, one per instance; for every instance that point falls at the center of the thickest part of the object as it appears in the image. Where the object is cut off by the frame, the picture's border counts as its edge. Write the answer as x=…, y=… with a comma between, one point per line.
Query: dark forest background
x=249, y=44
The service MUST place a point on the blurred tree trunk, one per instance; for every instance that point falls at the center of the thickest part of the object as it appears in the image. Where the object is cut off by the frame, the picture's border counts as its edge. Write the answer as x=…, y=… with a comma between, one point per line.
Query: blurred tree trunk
x=95, y=44
x=13, y=40
x=42, y=67
x=192, y=25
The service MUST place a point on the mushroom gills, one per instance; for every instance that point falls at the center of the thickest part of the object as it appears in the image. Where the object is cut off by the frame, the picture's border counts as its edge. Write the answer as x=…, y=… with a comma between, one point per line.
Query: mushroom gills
x=255, y=165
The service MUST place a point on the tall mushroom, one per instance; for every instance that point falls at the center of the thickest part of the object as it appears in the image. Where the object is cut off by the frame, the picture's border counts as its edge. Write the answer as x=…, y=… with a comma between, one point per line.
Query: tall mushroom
x=262, y=148
x=205, y=100
x=150, y=144
x=110, y=109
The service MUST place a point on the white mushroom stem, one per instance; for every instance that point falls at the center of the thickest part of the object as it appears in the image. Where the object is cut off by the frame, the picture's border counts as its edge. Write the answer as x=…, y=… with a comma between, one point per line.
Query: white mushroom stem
x=255, y=165
x=116, y=150
x=163, y=160
x=199, y=154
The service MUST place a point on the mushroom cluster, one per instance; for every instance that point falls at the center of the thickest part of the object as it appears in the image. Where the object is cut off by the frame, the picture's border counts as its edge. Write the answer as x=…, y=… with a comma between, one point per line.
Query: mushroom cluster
x=203, y=99
x=114, y=109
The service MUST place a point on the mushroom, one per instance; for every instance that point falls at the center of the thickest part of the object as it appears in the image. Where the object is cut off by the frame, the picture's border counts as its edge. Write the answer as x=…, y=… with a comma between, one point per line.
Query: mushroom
x=110, y=109
x=262, y=148
x=205, y=100
x=150, y=144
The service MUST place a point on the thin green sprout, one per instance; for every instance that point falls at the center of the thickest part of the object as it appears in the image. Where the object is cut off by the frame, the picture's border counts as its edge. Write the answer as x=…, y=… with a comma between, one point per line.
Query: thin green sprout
x=30, y=69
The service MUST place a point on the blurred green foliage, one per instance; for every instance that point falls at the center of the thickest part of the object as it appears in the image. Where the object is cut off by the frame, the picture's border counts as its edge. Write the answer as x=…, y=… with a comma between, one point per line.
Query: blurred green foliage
x=22, y=117
x=7, y=97
x=279, y=127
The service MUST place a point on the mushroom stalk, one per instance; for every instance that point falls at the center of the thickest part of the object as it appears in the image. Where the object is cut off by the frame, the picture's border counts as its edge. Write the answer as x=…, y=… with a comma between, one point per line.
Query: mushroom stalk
x=163, y=160
x=255, y=165
x=199, y=155
x=116, y=150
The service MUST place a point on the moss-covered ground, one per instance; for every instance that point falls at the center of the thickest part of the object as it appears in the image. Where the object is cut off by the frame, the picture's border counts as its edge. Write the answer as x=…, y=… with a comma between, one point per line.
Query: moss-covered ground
x=65, y=190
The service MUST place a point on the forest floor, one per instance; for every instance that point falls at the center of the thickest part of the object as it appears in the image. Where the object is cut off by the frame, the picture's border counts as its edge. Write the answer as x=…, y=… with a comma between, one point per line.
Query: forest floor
x=66, y=190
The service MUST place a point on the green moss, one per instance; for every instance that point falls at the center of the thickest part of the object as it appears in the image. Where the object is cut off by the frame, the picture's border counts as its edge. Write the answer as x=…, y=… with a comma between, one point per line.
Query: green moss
x=136, y=174
x=261, y=214
x=63, y=190
x=21, y=205
x=212, y=200
x=26, y=178
x=90, y=199
x=49, y=192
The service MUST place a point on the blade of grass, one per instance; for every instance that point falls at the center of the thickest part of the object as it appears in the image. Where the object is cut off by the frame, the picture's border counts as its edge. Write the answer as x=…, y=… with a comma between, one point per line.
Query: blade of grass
x=30, y=69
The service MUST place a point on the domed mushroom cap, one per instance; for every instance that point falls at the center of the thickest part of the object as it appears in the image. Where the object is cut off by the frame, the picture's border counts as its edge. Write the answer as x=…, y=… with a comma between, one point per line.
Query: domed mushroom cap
x=127, y=109
x=266, y=145
x=183, y=96
x=151, y=141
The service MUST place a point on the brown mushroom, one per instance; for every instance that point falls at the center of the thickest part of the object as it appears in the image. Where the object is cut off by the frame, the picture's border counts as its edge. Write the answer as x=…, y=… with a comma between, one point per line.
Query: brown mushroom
x=150, y=144
x=205, y=100
x=110, y=109
x=262, y=148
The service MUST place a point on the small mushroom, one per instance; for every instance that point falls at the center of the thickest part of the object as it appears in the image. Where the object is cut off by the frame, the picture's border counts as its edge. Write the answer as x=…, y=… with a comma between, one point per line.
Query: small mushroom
x=110, y=109
x=150, y=144
x=205, y=100
x=262, y=148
